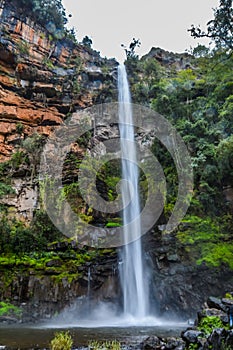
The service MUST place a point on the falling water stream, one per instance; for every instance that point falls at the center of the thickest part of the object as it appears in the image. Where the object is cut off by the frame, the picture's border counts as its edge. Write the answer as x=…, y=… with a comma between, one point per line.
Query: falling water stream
x=134, y=286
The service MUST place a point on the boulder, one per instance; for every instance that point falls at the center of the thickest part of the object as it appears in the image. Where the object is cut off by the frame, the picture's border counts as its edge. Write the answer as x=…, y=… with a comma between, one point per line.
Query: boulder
x=151, y=343
x=216, y=303
x=191, y=335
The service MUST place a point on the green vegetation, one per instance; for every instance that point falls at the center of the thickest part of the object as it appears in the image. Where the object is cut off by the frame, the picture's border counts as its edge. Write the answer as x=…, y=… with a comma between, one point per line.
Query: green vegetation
x=193, y=346
x=5, y=189
x=7, y=309
x=197, y=99
x=26, y=155
x=33, y=146
x=87, y=41
x=229, y=296
x=61, y=341
x=17, y=159
x=17, y=238
x=209, y=323
x=48, y=63
x=23, y=47
x=216, y=254
x=105, y=345
x=41, y=249
x=113, y=224
x=50, y=14
x=220, y=28
x=130, y=51
x=195, y=93
x=207, y=239
x=19, y=128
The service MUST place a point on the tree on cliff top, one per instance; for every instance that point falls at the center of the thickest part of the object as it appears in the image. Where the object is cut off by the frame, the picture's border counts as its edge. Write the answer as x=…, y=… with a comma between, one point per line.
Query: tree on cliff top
x=48, y=13
x=219, y=29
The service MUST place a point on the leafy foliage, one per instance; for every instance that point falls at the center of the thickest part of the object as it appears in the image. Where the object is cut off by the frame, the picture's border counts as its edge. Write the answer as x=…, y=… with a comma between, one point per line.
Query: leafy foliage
x=209, y=323
x=220, y=28
x=208, y=240
x=62, y=341
x=132, y=58
x=224, y=153
x=5, y=189
x=7, y=309
x=16, y=238
x=193, y=346
x=108, y=345
x=198, y=101
x=33, y=146
x=130, y=51
x=87, y=41
x=48, y=13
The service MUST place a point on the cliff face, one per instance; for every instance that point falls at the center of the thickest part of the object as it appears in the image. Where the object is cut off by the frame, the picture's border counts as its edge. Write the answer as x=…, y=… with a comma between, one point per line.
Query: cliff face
x=42, y=79
x=42, y=293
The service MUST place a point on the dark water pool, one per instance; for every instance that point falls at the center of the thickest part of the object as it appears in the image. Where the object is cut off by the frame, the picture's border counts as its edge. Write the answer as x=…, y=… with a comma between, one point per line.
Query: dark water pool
x=29, y=337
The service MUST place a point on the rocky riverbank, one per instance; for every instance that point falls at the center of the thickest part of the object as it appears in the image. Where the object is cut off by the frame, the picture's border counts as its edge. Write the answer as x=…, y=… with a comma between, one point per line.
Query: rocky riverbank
x=210, y=331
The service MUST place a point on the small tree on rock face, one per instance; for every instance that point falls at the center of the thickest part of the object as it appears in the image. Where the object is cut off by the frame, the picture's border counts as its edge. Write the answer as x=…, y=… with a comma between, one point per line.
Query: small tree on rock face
x=87, y=41
x=45, y=12
x=33, y=145
x=130, y=52
x=219, y=29
x=132, y=58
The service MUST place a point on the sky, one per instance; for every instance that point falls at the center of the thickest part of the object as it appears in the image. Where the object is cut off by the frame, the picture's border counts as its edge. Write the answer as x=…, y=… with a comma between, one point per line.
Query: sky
x=158, y=23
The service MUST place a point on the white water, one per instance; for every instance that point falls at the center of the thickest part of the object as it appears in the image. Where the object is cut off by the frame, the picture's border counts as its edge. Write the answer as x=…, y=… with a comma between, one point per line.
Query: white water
x=134, y=286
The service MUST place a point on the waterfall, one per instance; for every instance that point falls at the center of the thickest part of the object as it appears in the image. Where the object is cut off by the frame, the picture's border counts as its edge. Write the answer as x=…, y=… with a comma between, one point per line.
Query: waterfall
x=88, y=283
x=134, y=286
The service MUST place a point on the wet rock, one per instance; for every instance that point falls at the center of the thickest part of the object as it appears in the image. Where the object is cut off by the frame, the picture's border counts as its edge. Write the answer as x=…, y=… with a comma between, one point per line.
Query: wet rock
x=151, y=343
x=173, y=258
x=175, y=343
x=216, y=303
x=54, y=263
x=219, y=339
x=8, y=319
x=229, y=339
x=227, y=301
x=191, y=336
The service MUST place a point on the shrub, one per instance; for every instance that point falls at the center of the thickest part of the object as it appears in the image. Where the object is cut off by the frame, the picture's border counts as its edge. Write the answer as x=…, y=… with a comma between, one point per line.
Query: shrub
x=209, y=323
x=7, y=309
x=87, y=41
x=228, y=296
x=19, y=128
x=44, y=12
x=106, y=345
x=61, y=341
x=23, y=47
x=5, y=189
x=193, y=346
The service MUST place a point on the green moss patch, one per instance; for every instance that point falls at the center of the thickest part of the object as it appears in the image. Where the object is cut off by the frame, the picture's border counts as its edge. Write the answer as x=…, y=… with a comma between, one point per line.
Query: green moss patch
x=7, y=309
x=206, y=241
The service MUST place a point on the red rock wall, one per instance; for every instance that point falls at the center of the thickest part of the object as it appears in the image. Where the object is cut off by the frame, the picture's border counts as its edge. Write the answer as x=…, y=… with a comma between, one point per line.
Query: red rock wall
x=36, y=70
